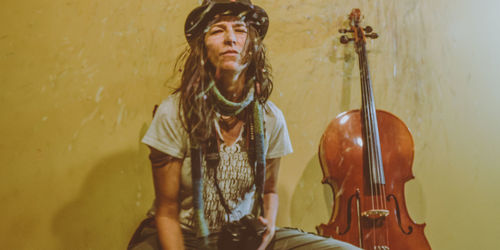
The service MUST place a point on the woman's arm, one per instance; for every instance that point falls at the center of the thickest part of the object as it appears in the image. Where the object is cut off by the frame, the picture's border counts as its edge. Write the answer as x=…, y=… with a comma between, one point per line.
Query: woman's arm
x=270, y=200
x=167, y=178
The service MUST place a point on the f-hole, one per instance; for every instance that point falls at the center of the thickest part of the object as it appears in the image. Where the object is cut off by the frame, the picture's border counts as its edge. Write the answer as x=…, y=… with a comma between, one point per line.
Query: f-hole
x=349, y=212
x=398, y=215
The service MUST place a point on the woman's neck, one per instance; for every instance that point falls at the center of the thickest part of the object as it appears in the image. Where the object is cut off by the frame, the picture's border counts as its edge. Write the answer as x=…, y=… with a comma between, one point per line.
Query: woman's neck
x=231, y=85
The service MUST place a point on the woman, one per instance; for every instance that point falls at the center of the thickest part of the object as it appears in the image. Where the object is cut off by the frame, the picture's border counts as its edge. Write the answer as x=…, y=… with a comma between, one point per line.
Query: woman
x=216, y=143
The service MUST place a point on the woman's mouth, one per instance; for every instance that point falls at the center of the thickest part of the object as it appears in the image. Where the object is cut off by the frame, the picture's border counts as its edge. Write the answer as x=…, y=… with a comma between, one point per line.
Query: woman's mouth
x=229, y=53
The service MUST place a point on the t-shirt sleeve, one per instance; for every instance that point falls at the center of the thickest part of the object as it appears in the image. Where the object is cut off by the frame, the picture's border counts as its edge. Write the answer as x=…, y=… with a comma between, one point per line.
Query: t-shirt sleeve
x=277, y=133
x=166, y=133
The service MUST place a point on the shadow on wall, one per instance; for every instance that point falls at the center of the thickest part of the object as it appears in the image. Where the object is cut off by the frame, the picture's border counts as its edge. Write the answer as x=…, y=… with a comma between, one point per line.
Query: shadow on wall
x=113, y=200
x=312, y=202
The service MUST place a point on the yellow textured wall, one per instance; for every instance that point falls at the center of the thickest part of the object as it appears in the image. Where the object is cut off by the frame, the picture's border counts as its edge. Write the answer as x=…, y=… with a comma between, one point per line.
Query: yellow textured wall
x=79, y=79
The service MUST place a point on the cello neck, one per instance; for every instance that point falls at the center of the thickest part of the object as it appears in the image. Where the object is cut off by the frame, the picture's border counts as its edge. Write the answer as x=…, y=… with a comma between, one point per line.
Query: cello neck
x=369, y=113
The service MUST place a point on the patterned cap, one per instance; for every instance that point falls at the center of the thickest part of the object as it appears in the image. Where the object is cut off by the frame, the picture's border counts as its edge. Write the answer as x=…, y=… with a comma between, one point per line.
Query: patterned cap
x=199, y=18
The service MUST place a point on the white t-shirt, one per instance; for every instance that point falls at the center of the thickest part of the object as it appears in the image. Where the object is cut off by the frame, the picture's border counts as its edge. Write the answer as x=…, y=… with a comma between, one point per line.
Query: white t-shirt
x=236, y=180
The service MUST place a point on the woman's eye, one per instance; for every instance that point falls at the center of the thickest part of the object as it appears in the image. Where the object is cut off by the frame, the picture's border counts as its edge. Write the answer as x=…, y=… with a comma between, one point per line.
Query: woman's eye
x=241, y=30
x=215, y=31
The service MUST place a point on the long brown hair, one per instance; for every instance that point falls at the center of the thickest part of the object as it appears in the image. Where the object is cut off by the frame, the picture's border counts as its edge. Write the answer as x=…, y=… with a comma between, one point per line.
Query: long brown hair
x=196, y=107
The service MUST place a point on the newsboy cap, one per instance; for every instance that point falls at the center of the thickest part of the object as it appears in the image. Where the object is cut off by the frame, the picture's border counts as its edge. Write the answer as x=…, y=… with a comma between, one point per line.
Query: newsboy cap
x=200, y=17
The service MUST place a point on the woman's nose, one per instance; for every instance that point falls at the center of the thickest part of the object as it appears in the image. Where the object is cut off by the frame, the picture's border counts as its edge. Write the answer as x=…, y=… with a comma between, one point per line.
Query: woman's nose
x=230, y=37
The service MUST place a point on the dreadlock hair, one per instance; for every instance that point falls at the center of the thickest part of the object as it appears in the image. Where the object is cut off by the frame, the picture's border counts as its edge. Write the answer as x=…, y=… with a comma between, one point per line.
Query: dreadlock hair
x=196, y=106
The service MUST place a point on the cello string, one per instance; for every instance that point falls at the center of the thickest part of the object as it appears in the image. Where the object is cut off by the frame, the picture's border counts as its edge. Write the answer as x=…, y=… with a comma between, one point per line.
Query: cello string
x=366, y=118
x=376, y=141
x=371, y=126
x=380, y=239
x=381, y=174
x=378, y=156
x=361, y=55
x=362, y=75
x=372, y=144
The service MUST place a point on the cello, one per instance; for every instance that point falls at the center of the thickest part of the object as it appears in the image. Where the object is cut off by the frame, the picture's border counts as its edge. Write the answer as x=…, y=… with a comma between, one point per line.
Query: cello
x=366, y=157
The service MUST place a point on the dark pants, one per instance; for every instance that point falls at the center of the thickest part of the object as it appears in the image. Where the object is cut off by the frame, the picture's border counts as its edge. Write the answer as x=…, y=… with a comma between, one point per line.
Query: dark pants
x=146, y=238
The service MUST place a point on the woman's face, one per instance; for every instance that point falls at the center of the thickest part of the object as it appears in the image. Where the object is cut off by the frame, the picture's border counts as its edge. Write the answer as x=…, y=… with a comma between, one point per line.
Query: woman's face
x=225, y=42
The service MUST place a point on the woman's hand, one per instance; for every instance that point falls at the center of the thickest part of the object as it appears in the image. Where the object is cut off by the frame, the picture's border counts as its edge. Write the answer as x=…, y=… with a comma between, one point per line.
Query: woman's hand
x=268, y=235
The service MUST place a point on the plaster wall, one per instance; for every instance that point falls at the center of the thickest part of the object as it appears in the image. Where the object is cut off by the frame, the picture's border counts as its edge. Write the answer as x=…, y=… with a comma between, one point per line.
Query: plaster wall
x=79, y=80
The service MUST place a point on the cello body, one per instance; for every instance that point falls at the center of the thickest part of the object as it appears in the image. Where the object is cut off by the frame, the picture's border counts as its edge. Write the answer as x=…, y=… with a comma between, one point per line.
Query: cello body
x=343, y=160
x=366, y=157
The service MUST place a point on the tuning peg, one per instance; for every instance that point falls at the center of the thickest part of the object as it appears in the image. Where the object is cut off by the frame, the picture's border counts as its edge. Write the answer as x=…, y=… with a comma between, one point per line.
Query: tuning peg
x=345, y=39
x=372, y=35
x=368, y=29
x=343, y=31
